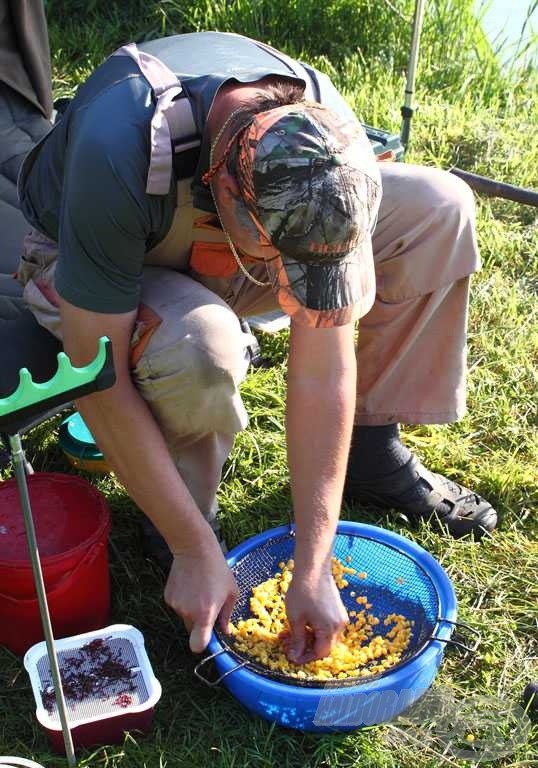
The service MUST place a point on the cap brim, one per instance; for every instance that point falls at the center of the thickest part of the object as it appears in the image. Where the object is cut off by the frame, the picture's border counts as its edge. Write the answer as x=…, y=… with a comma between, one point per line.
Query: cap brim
x=325, y=294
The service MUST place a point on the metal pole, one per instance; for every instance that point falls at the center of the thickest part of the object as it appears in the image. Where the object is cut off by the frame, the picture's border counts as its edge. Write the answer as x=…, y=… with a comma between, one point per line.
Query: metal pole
x=408, y=109
x=19, y=465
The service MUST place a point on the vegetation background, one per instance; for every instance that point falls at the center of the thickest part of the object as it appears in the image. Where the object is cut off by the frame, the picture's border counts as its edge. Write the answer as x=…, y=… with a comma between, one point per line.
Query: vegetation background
x=480, y=116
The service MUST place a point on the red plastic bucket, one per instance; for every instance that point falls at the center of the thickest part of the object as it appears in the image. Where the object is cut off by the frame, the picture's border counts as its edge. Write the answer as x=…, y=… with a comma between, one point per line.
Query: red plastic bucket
x=72, y=523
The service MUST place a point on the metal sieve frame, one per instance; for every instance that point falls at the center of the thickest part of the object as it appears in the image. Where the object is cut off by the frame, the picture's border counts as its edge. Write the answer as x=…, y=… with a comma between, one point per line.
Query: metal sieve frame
x=368, y=533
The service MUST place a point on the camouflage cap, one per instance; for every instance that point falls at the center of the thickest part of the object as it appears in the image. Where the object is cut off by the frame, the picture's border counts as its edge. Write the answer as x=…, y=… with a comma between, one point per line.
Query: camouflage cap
x=311, y=184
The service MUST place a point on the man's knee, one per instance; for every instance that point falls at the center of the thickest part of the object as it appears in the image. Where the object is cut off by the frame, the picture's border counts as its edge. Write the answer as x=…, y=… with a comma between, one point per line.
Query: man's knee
x=418, y=193
x=452, y=196
x=191, y=368
x=446, y=199
x=426, y=237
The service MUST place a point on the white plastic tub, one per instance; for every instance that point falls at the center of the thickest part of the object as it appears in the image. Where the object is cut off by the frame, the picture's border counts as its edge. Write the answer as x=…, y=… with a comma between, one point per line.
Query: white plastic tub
x=109, y=686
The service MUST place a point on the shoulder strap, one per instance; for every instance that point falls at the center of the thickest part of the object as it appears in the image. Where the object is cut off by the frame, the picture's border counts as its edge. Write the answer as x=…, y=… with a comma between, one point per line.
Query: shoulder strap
x=173, y=128
x=172, y=120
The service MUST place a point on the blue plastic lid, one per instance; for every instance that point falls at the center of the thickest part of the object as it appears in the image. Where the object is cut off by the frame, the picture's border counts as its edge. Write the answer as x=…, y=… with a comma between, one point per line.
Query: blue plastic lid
x=78, y=431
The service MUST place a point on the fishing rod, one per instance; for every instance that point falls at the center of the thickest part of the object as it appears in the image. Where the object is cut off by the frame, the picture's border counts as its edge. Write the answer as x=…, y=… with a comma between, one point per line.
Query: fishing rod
x=481, y=184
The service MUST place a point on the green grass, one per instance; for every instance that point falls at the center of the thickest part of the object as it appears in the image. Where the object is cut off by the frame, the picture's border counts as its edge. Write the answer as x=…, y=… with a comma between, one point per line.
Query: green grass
x=472, y=115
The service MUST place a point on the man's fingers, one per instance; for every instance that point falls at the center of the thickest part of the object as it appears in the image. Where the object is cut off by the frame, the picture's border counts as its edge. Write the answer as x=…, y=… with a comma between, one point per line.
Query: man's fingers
x=226, y=613
x=201, y=632
x=297, y=642
x=319, y=643
x=323, y=642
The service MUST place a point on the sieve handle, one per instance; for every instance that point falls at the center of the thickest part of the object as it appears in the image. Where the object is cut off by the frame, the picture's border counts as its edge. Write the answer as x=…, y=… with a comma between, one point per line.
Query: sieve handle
x=213, y=683
x=458, y=625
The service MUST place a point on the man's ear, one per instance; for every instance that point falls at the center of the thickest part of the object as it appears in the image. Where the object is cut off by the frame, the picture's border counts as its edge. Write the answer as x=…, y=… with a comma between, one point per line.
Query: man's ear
x=228, y=185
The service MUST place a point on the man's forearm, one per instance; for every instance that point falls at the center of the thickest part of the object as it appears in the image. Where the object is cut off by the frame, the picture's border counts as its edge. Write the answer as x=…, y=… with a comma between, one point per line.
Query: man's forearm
x=132, y=443
x=320, y=413
x=127, y=433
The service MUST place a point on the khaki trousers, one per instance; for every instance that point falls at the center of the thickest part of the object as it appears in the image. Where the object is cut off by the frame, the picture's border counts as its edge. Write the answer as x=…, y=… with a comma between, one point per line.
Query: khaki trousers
x=411, y=348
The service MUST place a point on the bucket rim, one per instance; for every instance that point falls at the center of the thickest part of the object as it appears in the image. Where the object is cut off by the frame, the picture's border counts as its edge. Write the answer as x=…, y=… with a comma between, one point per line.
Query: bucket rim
x=101, y=531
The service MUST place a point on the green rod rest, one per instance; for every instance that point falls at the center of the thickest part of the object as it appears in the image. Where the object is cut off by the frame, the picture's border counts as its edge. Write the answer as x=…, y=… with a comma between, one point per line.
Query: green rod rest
x=31, y=399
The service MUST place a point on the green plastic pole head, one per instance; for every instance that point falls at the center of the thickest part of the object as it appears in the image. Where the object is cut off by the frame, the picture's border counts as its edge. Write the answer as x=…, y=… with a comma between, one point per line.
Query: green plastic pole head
x=31, y=399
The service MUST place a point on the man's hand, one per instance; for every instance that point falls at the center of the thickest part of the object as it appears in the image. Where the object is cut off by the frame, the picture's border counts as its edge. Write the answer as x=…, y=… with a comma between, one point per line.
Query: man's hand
x=201, y=589
x=316, y=616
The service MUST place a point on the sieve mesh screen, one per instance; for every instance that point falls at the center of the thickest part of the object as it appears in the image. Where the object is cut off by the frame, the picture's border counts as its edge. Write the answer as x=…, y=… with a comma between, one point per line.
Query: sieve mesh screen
x=394, y=583
x=96, y=683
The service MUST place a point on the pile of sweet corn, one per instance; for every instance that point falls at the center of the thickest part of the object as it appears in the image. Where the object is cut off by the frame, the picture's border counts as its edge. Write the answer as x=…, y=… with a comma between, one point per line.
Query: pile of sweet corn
x=358, y=653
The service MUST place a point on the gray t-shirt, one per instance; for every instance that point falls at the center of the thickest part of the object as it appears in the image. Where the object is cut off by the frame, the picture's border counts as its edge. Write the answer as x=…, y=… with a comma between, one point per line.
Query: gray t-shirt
x=86, y=186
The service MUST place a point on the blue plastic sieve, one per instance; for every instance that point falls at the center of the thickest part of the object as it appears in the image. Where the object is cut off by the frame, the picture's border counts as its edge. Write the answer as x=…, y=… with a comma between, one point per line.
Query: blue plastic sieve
x=401, y=577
